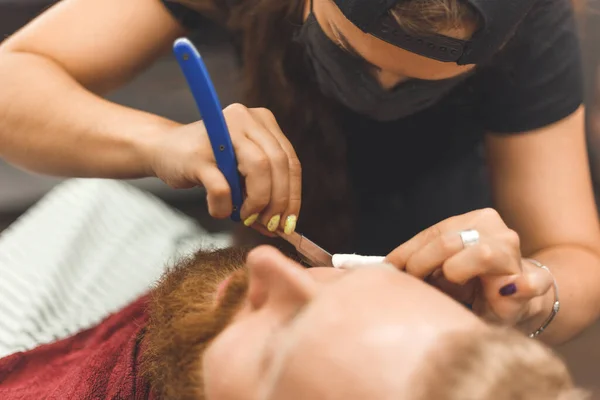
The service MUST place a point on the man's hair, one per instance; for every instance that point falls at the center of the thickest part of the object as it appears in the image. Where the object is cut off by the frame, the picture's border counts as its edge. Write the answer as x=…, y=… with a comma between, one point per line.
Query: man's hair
x=499, y=364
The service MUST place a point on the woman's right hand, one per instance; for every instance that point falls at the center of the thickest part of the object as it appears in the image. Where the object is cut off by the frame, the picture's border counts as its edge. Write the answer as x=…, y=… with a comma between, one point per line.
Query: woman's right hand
x=267, y=162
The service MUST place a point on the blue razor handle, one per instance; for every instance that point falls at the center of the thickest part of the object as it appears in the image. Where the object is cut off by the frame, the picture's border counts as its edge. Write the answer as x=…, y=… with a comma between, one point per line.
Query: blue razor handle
x=209, y=106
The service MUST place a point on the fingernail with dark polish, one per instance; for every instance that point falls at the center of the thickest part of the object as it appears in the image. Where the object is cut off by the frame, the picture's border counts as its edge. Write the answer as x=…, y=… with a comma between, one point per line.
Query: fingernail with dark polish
x=508, y=290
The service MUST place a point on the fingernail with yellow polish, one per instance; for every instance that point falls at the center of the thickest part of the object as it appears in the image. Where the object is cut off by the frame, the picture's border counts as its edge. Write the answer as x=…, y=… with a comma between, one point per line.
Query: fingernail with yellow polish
x=290, y=224
x=251, y=220
x=274, y=223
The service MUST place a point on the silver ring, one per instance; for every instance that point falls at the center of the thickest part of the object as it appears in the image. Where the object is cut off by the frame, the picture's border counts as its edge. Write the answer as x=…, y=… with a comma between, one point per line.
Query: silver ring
x=470, y=237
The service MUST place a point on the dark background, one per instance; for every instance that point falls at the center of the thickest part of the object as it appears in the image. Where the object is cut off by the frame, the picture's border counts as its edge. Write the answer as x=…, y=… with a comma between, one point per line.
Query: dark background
x=162, y=90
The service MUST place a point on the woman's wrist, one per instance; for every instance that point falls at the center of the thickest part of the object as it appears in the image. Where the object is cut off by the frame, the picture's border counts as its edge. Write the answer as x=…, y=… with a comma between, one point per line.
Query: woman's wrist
x=148, y=144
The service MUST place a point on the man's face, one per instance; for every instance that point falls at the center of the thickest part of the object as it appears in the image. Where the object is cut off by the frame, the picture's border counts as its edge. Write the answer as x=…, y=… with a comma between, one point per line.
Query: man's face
x=278, y=331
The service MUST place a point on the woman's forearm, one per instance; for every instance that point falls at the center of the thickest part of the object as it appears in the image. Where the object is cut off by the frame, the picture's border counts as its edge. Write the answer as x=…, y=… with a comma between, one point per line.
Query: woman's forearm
x=577, y=273
x=52, y=125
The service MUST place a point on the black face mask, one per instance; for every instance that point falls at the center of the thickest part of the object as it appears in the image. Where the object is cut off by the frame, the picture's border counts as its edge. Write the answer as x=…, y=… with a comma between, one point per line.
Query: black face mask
x=346, y=78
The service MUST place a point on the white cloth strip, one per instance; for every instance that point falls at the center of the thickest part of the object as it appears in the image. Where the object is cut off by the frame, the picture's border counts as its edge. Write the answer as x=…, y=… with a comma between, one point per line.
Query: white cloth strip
x=340, y=260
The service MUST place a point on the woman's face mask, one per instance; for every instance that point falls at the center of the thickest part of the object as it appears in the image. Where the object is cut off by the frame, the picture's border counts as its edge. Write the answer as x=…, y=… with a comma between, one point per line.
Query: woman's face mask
x=346, y=79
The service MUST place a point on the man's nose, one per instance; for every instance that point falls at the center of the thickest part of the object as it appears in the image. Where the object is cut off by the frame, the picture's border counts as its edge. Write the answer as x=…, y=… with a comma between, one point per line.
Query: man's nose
x=277, y=281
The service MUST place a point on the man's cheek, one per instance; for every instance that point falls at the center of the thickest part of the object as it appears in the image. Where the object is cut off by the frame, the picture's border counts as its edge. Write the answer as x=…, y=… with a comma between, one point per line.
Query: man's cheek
x=231, y=364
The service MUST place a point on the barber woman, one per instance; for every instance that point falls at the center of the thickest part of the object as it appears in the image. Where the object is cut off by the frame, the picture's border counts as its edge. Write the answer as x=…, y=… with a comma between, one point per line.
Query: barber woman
x=453, y=129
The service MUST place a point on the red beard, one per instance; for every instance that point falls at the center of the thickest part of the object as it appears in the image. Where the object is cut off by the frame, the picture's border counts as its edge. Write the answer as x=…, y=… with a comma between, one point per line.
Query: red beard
x=184, y=317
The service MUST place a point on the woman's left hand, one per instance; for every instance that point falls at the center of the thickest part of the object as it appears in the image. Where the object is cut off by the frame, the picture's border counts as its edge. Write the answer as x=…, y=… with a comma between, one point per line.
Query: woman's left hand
x=487, y=272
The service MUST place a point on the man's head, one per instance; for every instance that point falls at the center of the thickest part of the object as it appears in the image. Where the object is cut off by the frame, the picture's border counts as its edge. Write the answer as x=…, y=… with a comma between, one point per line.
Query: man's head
x=264, y=328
